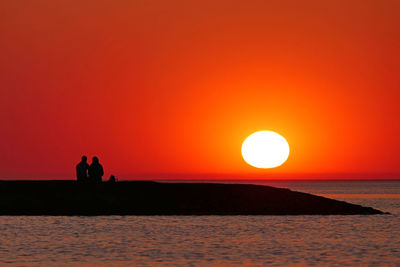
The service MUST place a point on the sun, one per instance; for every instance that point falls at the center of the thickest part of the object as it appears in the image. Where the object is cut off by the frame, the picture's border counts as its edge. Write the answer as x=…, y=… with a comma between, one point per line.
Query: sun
x=265, y=149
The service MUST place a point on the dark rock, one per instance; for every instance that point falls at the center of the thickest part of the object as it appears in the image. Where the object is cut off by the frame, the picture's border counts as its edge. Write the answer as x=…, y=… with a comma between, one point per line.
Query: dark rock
x=154, y=198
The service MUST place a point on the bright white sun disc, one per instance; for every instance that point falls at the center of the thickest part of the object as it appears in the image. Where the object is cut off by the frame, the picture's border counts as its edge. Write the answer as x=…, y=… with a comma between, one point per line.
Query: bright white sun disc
x=265, y=149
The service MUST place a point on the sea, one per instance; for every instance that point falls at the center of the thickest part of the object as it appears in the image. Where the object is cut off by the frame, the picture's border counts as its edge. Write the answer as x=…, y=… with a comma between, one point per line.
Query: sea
x=352, y=240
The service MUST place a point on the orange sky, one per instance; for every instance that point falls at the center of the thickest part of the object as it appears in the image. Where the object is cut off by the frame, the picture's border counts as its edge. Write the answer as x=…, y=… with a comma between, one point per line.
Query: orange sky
x=164, y=87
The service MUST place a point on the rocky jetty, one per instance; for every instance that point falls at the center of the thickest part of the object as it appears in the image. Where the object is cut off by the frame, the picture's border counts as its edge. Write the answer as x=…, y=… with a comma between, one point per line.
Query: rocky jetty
x=156, y=198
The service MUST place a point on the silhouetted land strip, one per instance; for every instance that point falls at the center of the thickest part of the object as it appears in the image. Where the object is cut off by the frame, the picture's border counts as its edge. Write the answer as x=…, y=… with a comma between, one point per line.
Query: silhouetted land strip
x=154, y=198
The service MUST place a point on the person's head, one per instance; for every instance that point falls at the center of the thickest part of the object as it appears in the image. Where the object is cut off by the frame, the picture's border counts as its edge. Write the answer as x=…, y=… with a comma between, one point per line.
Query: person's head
x=84, y=159
x=95, y=160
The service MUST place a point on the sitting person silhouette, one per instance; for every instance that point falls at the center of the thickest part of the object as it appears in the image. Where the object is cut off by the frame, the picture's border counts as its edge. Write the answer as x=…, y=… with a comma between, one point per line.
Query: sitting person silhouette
x=82, y=169
x=95, y=170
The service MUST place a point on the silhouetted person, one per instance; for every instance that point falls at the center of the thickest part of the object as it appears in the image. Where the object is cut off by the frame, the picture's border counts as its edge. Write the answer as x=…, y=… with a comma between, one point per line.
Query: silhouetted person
x=95, y=170
x=82, y=170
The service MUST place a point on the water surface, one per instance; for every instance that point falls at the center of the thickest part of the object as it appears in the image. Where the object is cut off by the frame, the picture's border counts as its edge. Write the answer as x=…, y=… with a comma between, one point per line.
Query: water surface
x=215, y=240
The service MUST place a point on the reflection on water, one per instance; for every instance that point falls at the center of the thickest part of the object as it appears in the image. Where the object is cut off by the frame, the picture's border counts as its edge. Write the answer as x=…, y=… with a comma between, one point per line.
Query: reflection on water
x=206, y=240
x=211, y=240
x=361, y=196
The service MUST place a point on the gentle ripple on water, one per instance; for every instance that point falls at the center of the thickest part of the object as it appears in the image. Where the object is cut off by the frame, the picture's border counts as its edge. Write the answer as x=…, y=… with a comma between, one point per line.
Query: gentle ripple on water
x=207, y=240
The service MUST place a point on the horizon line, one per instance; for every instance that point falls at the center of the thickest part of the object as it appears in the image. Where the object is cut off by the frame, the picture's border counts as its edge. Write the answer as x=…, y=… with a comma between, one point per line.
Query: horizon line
x=224, y=177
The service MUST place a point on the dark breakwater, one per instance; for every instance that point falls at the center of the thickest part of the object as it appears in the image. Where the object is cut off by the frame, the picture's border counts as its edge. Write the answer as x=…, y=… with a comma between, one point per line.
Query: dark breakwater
x=156, y=198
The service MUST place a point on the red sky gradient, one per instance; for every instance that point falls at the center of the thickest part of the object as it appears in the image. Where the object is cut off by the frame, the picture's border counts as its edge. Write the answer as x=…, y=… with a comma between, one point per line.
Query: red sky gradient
x=155, y=88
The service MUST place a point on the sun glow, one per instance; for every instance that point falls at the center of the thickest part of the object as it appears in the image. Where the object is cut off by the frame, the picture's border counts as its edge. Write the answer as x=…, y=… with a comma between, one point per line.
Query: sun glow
x=265, y=149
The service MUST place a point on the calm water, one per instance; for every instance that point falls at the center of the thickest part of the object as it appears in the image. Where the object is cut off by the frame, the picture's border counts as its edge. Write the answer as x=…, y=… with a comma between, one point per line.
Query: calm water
x=216, y=240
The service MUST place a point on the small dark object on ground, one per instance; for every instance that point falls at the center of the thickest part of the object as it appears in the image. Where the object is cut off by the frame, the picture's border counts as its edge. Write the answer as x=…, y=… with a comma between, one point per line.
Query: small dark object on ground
x=112, y=179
